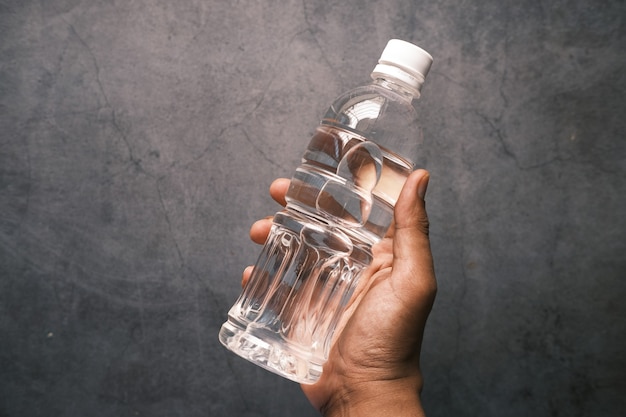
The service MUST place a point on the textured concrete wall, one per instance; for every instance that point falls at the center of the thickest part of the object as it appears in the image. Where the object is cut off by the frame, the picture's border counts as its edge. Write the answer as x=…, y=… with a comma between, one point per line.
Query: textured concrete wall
x=137, y=141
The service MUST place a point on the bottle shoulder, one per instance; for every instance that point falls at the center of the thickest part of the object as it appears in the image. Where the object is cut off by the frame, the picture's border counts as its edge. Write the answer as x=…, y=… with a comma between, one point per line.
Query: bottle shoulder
x=376, y=93
x=376, y=113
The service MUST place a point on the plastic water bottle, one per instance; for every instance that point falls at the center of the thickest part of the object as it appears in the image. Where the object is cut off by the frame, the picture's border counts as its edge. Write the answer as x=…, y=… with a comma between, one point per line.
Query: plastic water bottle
x=340, y=202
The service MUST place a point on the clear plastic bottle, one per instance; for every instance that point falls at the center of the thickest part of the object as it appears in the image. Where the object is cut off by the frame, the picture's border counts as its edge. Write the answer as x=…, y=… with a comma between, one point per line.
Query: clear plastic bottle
x=339, y=204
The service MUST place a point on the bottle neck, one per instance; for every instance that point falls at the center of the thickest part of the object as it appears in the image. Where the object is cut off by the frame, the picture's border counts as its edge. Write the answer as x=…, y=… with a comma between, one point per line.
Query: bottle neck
x=407, y=93
x=399, y=79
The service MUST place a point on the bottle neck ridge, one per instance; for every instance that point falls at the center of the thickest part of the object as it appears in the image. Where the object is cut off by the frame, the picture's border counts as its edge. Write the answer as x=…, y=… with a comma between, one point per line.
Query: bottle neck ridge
x=399, y=80
x=405, y=92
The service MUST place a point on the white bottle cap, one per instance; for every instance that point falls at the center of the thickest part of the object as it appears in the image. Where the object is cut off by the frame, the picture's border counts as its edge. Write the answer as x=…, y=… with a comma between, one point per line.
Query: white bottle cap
x=404, y=61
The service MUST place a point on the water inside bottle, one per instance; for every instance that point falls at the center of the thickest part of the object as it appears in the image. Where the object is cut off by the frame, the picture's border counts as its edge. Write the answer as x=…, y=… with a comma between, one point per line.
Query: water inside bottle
x=348, y=181
x=340, y=202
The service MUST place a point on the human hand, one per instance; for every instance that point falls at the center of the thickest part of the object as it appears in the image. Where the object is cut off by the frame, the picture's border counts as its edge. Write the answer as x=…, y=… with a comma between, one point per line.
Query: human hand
x=373, y=366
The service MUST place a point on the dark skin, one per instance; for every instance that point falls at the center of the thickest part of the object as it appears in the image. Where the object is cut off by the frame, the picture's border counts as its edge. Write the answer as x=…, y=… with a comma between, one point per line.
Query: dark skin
x=374, y=364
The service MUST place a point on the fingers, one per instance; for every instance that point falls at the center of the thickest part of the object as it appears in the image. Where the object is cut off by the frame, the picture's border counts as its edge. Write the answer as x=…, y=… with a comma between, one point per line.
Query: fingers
x=260, y=230
x=278, y=189
x=413, y=261
x=246, y=275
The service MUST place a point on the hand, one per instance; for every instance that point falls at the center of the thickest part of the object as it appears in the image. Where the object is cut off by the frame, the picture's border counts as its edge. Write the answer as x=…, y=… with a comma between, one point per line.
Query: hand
x=373, y=366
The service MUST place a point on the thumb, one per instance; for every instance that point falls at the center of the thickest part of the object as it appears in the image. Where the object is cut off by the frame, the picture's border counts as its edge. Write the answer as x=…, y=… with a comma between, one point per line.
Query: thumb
x=413, y=269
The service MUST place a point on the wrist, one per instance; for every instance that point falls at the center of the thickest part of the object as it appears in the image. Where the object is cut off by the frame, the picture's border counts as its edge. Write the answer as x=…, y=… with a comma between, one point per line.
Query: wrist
x=399, y=398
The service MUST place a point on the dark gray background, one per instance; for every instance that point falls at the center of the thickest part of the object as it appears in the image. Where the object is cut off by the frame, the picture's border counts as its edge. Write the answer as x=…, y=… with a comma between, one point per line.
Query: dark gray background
x=137, y=141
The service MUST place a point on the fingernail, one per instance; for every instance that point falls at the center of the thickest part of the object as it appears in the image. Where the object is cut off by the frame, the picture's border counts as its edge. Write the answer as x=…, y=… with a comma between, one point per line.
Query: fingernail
x=423, y=186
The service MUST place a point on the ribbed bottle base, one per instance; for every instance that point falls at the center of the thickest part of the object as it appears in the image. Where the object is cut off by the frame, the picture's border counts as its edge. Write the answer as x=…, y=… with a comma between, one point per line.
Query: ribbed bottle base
x=271, y=353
